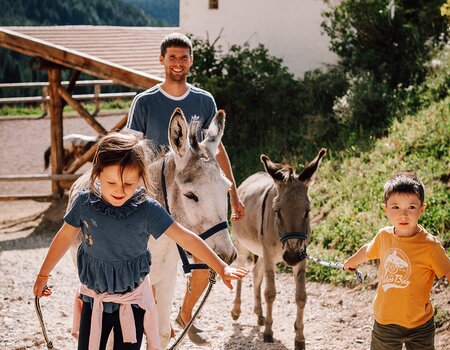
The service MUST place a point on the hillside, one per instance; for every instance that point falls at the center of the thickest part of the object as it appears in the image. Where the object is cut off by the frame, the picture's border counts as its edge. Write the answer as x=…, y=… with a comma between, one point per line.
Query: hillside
x=65, y=12
x=348, y=192
x=14, y=66
x=167, y=11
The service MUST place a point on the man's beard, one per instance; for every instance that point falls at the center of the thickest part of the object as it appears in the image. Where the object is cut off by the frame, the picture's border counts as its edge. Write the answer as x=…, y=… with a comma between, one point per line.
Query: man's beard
x=177, y=77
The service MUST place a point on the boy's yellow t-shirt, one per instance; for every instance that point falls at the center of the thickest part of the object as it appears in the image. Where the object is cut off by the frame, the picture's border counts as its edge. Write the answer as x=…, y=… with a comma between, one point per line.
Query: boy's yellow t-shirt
x=405, y=276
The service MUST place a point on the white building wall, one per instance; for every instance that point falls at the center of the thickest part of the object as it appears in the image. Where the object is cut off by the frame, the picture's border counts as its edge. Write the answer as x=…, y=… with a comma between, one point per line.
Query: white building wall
x=289, y=29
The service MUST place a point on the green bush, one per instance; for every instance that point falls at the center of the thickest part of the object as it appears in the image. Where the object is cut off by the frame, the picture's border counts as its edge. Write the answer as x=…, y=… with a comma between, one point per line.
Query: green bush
x=268, y=110
x=389, y=39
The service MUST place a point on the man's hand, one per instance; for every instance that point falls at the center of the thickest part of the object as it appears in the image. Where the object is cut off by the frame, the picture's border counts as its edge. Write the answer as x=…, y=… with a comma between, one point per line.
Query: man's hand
x=237, y=207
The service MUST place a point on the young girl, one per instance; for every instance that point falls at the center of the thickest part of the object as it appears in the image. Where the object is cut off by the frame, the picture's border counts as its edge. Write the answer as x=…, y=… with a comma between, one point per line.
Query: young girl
x=117, y=216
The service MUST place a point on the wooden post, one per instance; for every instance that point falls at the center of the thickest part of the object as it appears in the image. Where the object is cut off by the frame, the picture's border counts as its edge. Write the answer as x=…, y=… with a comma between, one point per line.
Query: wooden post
x=44, y=100
x=81, y=111
x=97, y=98
x=56, y=129
x=89, y=155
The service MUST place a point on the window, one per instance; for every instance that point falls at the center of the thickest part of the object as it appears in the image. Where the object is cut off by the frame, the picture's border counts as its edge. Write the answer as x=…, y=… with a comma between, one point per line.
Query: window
x=213, y=4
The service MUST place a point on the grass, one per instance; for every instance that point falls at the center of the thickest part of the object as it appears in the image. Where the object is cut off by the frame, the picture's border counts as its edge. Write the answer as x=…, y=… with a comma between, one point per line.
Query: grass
x=349, y=189
x=36, y=111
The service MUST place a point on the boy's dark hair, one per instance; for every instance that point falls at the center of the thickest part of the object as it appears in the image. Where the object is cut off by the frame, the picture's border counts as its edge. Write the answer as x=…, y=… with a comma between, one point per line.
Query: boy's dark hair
x=176, y=40
x=404, y=182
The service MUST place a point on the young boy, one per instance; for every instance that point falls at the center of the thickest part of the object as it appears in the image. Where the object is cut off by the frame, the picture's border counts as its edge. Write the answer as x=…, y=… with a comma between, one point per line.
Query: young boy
x=410, y=257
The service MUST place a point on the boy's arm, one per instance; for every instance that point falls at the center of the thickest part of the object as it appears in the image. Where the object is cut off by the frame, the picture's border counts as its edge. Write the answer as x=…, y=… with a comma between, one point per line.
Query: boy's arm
x=238, y=209
x=197, y=247
x=356, y=259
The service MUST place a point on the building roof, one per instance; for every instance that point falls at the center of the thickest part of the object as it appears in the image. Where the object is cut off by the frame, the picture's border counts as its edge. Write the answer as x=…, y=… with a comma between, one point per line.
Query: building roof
x=127, y=55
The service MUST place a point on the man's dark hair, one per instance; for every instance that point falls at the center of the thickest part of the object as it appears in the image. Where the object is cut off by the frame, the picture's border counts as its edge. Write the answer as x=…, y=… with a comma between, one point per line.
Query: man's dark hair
x=176, y=40
x=404, y=182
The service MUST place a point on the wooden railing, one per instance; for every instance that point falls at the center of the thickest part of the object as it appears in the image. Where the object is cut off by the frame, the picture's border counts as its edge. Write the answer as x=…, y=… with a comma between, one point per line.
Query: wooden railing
x=44, y=98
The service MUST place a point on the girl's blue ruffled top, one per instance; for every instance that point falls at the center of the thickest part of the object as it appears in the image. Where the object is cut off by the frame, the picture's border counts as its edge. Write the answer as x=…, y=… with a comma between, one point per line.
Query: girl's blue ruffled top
x=113, y=256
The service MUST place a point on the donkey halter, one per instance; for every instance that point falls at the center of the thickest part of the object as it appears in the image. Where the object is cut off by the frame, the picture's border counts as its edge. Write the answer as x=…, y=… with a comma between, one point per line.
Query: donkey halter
x=285, y=236
x=187, y=266
x=297, y=235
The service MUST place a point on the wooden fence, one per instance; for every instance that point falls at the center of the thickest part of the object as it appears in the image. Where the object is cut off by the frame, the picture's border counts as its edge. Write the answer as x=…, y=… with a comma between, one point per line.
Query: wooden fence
x=44, y=98
x=62, y=180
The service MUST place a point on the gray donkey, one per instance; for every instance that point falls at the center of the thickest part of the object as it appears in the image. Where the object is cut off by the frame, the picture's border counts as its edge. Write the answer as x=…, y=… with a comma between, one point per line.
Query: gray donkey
x=276, y=228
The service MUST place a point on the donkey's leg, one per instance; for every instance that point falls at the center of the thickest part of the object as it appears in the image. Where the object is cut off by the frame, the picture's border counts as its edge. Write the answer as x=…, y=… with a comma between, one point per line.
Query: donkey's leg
x=258, y=275
x=269, y=294
x=163, y=275
x=164, y=296
x=300, y=300
x=242, y=254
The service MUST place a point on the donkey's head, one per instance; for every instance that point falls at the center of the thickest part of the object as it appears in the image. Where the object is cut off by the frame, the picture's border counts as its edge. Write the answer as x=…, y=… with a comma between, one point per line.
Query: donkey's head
x=291, y=206
x=198, y=198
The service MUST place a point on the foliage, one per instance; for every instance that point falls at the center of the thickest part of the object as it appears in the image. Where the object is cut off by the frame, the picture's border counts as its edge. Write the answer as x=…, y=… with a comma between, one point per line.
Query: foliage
x=167, y=11
x=419, y=143
x=95, y=12
x=14, y=66
x=263, y=101
x=389, y=39
x=366, y=105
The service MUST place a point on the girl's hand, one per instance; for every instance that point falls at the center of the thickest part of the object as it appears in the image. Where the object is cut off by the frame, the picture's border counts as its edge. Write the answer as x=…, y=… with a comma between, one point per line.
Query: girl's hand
x=40, y=287
x=230, y=273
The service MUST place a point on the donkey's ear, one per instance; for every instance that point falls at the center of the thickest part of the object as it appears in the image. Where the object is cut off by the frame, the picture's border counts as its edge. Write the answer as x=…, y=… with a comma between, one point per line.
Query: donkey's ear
x=215, y=132
x=178, y=133
x=273, y=169
x=309, y=173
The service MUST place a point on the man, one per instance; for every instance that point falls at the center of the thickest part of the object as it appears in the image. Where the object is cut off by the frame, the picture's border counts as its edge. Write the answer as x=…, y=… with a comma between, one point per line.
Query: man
x=150, y=113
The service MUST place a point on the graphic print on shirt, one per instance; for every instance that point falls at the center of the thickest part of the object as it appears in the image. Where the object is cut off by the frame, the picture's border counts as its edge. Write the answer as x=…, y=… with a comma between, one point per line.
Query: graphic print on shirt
x=86, y=234
x=397, y=269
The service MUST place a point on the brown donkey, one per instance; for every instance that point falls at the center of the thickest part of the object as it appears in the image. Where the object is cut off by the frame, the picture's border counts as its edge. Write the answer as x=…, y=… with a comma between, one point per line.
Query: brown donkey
x=276, y=228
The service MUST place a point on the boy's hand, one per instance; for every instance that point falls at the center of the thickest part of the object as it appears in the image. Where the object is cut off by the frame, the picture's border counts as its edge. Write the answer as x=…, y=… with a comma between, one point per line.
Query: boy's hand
x=348, y=266
x=40, y=288
x=231, y=273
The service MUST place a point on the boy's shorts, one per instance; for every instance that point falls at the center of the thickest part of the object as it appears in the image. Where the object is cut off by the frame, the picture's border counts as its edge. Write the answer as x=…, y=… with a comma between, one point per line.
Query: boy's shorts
x=393, y=336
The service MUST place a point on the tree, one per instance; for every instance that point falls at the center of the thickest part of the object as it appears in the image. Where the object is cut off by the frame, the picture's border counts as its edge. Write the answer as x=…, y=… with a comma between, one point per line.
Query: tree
x=390, y=39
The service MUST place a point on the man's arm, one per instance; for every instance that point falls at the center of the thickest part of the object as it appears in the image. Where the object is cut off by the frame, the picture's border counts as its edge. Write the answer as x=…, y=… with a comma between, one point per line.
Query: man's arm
x=238, y=210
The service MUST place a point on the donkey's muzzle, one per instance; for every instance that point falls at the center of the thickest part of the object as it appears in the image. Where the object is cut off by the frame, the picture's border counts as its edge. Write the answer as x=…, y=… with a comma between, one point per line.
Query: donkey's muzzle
x=293, y=257
x=228, y=258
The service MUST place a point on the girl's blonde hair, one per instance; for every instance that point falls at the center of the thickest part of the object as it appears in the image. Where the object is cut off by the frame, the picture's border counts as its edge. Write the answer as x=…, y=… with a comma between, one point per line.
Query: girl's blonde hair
x=126, y=150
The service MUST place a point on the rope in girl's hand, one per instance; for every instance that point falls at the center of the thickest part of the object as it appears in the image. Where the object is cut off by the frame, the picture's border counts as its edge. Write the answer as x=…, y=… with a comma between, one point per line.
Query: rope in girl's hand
x=37, y=307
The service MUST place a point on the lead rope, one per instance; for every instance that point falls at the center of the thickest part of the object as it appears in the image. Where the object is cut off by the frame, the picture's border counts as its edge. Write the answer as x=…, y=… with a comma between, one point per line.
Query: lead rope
x=212, y=281
x=37, y=306
x=336, y=265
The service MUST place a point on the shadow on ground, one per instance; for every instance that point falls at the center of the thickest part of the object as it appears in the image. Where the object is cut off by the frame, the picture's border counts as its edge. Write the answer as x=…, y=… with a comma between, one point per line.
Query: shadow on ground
x=251, y=340
x=32, y=231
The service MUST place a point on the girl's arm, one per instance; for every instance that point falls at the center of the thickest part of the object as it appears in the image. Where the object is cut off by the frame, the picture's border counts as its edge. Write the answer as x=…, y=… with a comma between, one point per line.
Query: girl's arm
x=60, y=245
x=358, y=258
x=197, y=247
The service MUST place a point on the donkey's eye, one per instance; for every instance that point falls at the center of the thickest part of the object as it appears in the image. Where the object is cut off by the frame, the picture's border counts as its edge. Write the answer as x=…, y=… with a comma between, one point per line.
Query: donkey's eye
x=191, y=196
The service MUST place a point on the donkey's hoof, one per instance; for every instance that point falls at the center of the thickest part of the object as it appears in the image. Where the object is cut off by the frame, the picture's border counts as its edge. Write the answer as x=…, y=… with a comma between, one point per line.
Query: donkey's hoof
x=235, y=315
x=261, y=321
x=299, y=345
x=268, y=338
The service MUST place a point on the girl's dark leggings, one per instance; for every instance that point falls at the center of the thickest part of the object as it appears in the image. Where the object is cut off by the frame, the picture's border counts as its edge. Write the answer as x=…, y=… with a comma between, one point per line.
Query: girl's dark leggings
x=110, y=322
